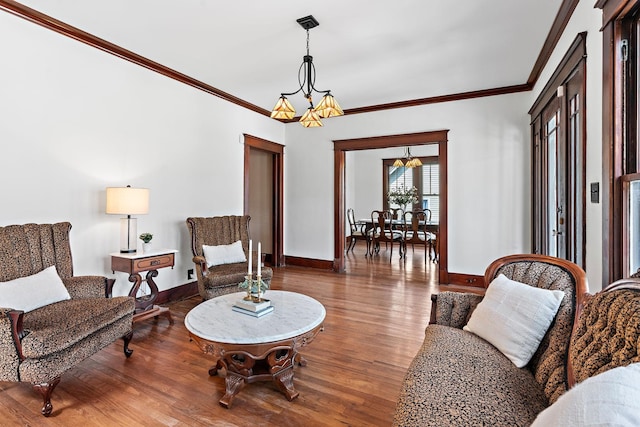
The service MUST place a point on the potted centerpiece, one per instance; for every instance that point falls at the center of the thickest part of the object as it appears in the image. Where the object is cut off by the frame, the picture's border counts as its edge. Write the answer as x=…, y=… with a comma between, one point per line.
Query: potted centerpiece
x=146, y=242
x=403, y=196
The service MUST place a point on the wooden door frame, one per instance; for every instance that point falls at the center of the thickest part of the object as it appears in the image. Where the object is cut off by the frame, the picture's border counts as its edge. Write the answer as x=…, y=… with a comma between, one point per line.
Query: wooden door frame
x=439, y=137
x=253, y=142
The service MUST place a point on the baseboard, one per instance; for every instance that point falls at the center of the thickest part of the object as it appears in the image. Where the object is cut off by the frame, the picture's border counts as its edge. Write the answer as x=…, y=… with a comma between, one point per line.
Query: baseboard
x=466, y=280
x=191, y=289
x=308, y=262
x=178, y=293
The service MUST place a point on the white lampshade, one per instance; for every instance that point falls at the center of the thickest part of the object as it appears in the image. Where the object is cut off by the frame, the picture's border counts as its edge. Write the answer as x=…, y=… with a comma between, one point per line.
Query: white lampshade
x=127, y=200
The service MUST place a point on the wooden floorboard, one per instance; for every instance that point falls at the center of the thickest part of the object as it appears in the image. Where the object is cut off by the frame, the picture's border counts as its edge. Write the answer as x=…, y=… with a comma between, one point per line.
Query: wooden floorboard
x=376, y=315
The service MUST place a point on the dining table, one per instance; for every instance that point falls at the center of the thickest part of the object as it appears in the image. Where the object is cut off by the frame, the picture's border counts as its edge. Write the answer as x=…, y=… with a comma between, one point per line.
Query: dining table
x=427, y=226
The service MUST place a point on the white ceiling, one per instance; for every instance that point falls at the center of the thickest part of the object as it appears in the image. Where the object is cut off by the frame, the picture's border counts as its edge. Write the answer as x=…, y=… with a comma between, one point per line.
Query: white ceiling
x=368, y=52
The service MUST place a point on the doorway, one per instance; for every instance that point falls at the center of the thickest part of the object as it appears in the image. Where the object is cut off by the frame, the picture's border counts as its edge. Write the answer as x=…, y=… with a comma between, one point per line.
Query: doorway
x=263, y=195
x=424, y=138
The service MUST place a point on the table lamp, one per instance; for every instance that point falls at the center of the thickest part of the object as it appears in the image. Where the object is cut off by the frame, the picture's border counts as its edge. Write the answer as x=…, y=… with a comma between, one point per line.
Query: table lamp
x=127, y=201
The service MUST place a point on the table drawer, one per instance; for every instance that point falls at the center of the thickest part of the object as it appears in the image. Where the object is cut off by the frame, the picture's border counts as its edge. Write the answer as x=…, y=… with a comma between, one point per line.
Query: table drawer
x=153, y=263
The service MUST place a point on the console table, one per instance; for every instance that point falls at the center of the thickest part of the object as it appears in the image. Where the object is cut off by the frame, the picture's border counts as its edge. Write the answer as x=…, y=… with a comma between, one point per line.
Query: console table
x=136, y=263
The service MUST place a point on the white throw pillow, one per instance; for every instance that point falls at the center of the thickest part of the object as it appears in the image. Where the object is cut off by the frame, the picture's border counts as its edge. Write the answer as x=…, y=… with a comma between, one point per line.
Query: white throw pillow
x=224, y=254
x=31, y=292
x=611, y=398
x=514, y=317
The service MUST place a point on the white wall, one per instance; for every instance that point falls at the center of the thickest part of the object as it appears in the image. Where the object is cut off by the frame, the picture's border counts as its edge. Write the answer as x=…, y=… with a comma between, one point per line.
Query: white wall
x=75, y=120
x=589, y=19
x=488, y=158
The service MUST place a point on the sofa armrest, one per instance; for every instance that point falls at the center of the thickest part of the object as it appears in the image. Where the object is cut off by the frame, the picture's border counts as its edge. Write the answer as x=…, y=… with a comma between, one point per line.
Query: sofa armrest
x=453, y=308
x=86, y=286
x=11, y=332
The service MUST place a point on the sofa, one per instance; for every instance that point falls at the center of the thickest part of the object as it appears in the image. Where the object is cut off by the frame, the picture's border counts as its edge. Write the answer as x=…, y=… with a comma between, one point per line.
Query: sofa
x=50, y=319
x=220, y=235
x=459, y=378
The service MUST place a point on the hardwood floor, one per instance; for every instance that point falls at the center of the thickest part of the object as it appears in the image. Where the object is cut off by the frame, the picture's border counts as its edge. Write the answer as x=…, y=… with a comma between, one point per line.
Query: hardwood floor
x=376, y=315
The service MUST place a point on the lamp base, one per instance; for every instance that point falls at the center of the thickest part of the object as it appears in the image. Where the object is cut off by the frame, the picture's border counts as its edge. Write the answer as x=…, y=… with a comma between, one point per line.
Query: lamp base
x=128, y=235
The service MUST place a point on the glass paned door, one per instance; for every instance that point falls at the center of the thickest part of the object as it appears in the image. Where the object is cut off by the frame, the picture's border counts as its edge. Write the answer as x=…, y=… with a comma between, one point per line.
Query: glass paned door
x=556, y=179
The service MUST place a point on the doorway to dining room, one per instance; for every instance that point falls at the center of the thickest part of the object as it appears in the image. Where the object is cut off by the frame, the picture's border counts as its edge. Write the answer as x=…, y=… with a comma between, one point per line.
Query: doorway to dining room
x=341, y=147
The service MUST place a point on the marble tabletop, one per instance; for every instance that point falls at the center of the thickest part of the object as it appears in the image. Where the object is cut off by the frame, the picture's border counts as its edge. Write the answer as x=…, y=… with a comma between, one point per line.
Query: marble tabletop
x=293, y=315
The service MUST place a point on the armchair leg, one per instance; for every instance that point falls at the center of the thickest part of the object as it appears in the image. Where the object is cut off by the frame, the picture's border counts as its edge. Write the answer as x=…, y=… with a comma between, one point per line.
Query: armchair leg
x=127, y=339
x=45, y=390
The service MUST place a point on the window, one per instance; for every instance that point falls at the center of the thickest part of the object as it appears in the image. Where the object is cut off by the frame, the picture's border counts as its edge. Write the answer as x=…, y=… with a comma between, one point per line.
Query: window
x=425, y=178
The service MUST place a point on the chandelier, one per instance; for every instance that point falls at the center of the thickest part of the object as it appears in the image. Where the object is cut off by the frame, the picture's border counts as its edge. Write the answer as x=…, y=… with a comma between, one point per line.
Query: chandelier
x=328, y=106
x=410, y=161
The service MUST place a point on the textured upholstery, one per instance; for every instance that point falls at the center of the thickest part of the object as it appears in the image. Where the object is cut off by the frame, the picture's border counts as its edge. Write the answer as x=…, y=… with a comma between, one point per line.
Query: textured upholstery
x=57, y=336
x=607, y=334
x=221, y=230
x=454, y=309
x=458, y=379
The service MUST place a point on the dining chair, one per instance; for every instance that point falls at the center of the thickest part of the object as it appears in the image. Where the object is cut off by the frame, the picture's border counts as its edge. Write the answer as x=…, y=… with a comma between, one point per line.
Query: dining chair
x=384, y=231
x=358, y=231
x=414, y=231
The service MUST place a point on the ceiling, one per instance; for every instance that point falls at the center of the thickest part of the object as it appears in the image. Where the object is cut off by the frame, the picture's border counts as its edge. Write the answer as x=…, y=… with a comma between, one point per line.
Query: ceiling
x=368, y=52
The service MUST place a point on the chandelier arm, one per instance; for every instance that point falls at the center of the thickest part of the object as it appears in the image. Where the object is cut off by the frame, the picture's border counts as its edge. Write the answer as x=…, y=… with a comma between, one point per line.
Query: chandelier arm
x=300, y=83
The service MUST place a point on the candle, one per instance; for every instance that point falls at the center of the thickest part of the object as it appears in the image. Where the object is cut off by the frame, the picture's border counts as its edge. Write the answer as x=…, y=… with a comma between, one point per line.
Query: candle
x=250, y=258
x=259, y=258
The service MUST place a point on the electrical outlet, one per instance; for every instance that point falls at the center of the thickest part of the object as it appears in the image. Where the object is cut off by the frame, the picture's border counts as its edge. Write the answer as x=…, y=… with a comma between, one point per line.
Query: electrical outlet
x=190, y=274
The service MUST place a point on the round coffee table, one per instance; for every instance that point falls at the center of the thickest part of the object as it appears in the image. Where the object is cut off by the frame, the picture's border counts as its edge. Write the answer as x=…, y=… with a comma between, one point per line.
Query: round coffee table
x=256, y=349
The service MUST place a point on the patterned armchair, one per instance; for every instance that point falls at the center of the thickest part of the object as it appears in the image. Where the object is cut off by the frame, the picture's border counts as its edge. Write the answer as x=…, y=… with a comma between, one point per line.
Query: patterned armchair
x=221, y=279
x=39, y=345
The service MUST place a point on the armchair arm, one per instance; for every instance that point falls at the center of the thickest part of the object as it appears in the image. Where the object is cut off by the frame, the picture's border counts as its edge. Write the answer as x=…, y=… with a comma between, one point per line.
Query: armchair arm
x=11, y=333
x=86, y=286
x=201, y=265
x=453, y=308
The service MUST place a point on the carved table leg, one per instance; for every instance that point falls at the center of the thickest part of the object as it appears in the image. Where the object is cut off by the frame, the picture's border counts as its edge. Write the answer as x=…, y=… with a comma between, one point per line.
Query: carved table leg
x=281, y=367
x=146, y=302
x=233, y=384
x=45, y=390
x=284, y=381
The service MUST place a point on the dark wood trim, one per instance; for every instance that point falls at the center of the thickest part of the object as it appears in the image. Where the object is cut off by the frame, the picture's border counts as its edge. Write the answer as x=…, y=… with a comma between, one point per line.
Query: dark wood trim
x=610, y=156
x=614, y=138
x=439, y=137
x=557, y=28
x=470, y=280
x=53, y=24
x=178, y=293
x=402, y=140
x=443, y=231
x=614, y=9
x=308, y=262
x=442, y=98
x=254, y=143
x=570, y=61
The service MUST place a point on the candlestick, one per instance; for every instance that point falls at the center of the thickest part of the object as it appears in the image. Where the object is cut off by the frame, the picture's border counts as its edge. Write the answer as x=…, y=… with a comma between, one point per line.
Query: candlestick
x=259, y=258
x=259, y=281
x=249, y=272
x=249, y=281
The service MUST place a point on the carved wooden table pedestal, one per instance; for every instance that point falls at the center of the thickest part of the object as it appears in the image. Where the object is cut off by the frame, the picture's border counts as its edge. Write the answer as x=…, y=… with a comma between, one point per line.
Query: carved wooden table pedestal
x=256, y=349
